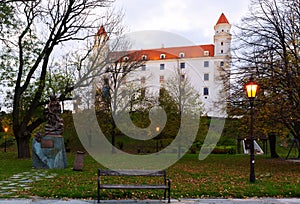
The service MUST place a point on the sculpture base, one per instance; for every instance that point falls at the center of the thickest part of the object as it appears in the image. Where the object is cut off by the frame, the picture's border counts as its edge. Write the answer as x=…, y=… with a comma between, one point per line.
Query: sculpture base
x=49, y=153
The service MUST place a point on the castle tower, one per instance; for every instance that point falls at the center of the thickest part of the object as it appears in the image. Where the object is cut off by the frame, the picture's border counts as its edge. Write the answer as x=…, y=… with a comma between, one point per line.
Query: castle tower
x=101, y=37
x=101, y=45
x=222, y=37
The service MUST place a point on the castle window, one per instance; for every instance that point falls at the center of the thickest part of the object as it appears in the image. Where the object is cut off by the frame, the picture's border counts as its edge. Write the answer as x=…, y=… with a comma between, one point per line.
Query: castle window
x=162, y=56
x=222, y=43
x=124, y=80
x=206, y=53
x=126, y=59
x=161, y=79
x=206, y=63
x=206, y=77
x=205, y=91
x=143, y=67
x=162, y=66
x=182, y=77
x=144, y=57
x=181, y=55
x=221, y=64
x=182, y=65
x=222, y=51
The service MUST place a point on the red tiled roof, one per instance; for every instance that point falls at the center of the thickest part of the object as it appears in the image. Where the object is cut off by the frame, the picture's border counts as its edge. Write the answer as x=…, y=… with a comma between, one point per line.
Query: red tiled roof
x=222, y=19
x=174, y=52
x=170, y=53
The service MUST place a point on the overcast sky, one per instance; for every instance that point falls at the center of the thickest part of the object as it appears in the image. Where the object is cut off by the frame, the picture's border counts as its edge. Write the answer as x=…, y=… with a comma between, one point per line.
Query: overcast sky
x=191, y=19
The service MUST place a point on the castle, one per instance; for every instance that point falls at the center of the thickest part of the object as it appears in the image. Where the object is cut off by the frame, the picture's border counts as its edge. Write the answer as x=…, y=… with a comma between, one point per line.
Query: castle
x=203, y=65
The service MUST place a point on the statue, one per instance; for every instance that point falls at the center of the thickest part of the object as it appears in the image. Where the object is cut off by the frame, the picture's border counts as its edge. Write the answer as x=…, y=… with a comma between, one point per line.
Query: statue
x=55, y=125
x=48, y=150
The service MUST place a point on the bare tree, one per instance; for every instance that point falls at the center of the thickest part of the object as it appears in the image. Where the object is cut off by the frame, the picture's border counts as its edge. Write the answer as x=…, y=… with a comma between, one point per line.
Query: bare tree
x=181, y=90
x=268, y=48
x=117, y=89
x=45, y=30
x=185, y=97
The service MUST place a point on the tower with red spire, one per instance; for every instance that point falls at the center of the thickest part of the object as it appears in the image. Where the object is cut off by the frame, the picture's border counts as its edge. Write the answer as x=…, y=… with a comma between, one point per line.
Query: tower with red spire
x=101, y=37
x=222, y=37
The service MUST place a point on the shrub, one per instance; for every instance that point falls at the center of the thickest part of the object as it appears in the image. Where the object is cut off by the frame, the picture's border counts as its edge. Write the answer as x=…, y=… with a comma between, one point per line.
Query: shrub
x=224, y=150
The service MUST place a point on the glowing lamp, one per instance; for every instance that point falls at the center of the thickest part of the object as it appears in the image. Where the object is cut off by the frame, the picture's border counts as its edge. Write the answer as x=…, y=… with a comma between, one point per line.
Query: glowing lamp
x=251, y=88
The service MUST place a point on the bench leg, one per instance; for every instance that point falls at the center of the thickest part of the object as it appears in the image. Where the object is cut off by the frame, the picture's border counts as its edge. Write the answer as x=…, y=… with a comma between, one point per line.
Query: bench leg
x=98, y=187
x=98, y=193
x=169, y=192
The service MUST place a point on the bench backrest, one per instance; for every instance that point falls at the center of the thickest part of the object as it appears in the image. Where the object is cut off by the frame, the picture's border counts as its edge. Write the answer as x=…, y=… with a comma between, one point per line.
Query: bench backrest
x=107, y=172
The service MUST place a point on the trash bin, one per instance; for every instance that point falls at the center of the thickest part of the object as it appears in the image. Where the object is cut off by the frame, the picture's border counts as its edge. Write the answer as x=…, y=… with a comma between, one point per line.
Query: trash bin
x=78, y=163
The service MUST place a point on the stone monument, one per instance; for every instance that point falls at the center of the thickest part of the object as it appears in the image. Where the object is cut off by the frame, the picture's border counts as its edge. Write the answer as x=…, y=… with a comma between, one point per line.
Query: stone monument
x=48, y=150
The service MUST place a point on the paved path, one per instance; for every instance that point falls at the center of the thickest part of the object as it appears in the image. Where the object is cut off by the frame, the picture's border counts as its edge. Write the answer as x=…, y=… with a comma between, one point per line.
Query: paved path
x=22, y=180
x=183, y=201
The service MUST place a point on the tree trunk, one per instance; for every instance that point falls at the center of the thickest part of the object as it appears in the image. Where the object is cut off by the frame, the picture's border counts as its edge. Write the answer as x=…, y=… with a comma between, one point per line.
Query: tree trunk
x=23, y=145
x=272, y=140
x=113, y=135
x=298, y=147
x=298, y=150
x=297, y=130
x=297, y=140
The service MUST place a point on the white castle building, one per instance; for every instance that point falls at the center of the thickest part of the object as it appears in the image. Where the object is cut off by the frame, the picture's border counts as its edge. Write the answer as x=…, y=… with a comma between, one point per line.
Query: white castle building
x=201, y=64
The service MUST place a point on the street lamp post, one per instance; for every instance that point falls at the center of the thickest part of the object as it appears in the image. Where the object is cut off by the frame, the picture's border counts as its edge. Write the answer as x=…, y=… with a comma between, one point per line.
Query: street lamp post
x=251, y=88
x=5, y=130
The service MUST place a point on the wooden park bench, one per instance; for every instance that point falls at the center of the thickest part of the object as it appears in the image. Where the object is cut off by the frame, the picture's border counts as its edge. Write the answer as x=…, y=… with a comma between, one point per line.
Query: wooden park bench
x=164, y=185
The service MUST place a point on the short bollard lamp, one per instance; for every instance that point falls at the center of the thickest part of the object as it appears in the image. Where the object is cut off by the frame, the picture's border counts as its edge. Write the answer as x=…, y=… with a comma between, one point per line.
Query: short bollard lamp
x=251, y=88
x=5, y=130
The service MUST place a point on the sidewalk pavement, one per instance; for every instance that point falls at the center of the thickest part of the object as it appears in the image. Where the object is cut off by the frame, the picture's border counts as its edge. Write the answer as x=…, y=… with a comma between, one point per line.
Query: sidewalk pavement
x=183, y=201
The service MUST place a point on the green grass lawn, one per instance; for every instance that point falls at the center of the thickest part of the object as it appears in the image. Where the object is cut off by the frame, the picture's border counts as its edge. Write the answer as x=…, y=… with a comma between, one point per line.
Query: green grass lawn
x=218, y=176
